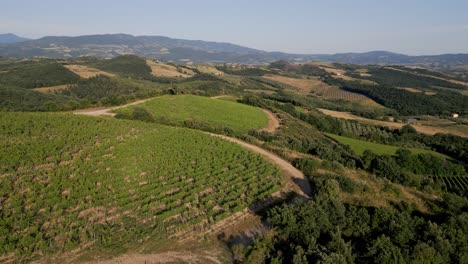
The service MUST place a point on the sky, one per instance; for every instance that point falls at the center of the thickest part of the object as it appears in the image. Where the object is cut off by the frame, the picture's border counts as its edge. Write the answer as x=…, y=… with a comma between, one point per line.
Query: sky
x=413, y=27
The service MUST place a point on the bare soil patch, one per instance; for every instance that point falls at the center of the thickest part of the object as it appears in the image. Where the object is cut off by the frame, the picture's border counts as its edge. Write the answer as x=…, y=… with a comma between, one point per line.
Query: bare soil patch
x=86, y=71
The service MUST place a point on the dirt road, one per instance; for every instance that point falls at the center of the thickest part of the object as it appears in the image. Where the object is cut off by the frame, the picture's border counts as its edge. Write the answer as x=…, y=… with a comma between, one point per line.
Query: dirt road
x=106, y=111
x=273, y=122
x=295, y=175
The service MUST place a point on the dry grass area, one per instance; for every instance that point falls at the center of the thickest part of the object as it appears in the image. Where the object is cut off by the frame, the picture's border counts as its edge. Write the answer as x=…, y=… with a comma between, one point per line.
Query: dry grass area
x=209, y=69
x=86, y=71
x=259, y=91
x=348, y=78
x=51, y=88
x=161, y=69
x=415, y=90
x=377, y=192
x=333, y=70
x=303, y=86
x=382, y=193
x=458, y=130
x=323, y=90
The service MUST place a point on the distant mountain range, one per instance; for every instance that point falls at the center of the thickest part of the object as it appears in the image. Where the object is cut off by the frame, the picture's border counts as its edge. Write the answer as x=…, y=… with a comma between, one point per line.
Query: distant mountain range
x=11, y=38
x=194, y=51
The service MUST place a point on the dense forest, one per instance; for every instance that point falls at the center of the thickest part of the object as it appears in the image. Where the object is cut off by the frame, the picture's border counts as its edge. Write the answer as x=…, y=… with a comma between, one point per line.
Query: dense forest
x=324, y=230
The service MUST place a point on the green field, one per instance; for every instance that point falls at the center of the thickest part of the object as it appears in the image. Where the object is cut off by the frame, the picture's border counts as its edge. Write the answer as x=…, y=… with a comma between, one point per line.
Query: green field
x=68, y=181
x=236, y=116
x=359, y=146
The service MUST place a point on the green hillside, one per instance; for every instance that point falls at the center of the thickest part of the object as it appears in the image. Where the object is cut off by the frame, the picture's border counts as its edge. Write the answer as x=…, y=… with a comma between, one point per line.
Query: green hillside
x=180, y=108
x=112, y=182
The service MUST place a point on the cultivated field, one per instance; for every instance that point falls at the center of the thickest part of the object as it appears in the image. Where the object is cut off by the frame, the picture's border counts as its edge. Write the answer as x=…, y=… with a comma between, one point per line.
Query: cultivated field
x=359, y=146
x=180, y=108
x=160, y=69
x=458, y=130
x=86, y=71
x=112, y=183
x=323, y=90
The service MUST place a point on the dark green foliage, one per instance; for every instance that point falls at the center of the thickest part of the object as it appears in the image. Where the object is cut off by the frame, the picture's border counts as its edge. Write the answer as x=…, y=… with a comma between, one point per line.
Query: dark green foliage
x=108, y=91
x=325, y=230
x=408, y=103
x=142, y=114
x=18, y=99
x=415, y=170
x=398, y=78
x=306, y=69
x=36, y=74
x=126, y=65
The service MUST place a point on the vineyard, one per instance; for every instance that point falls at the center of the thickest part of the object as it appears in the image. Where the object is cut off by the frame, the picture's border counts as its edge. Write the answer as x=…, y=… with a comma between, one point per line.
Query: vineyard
x=67, y=181
x=359, y=146
x=323, y=90
x=455, y=183
x=180, y=108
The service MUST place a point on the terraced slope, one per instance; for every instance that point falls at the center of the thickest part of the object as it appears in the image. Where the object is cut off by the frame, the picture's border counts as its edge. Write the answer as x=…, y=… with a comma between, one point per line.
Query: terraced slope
x=112, y=182
x=180, y=108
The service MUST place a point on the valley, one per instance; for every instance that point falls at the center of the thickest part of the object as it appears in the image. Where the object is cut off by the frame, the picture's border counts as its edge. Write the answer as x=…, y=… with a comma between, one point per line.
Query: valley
x=129, y=158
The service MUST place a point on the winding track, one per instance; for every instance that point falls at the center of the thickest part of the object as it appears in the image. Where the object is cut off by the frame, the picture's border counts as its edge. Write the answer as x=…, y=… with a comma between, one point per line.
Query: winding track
x=294, y=176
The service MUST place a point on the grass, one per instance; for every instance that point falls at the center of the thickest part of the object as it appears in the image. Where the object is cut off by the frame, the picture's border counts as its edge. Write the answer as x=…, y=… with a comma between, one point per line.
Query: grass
x=236, y=116
x=359, y=146
x=112, y=182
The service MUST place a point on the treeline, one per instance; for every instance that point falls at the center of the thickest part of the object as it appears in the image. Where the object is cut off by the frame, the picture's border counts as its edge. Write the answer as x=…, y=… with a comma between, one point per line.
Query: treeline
x=324, y=230
x=18, y=99
x=407, y=136
x=408, y=103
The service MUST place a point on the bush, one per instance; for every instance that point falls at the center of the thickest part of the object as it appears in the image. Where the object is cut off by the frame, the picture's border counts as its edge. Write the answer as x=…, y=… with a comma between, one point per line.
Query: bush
x=142, y=114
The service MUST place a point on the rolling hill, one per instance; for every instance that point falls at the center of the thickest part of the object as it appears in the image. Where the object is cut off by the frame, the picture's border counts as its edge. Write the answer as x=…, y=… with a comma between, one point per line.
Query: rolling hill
x=195, y=51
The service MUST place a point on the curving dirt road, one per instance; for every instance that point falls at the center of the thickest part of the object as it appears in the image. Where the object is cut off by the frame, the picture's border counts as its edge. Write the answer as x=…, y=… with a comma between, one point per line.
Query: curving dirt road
x=295, y=175
x=107, y=111
x=273, y=121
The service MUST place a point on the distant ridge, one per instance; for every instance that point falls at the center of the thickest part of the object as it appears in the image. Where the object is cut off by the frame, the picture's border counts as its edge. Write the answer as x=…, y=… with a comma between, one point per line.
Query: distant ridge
x=11, y=38
x=193, y=51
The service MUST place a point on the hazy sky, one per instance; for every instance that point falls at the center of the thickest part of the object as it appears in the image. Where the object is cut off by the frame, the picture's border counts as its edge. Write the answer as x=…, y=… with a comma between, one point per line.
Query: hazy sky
x=301, y=26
